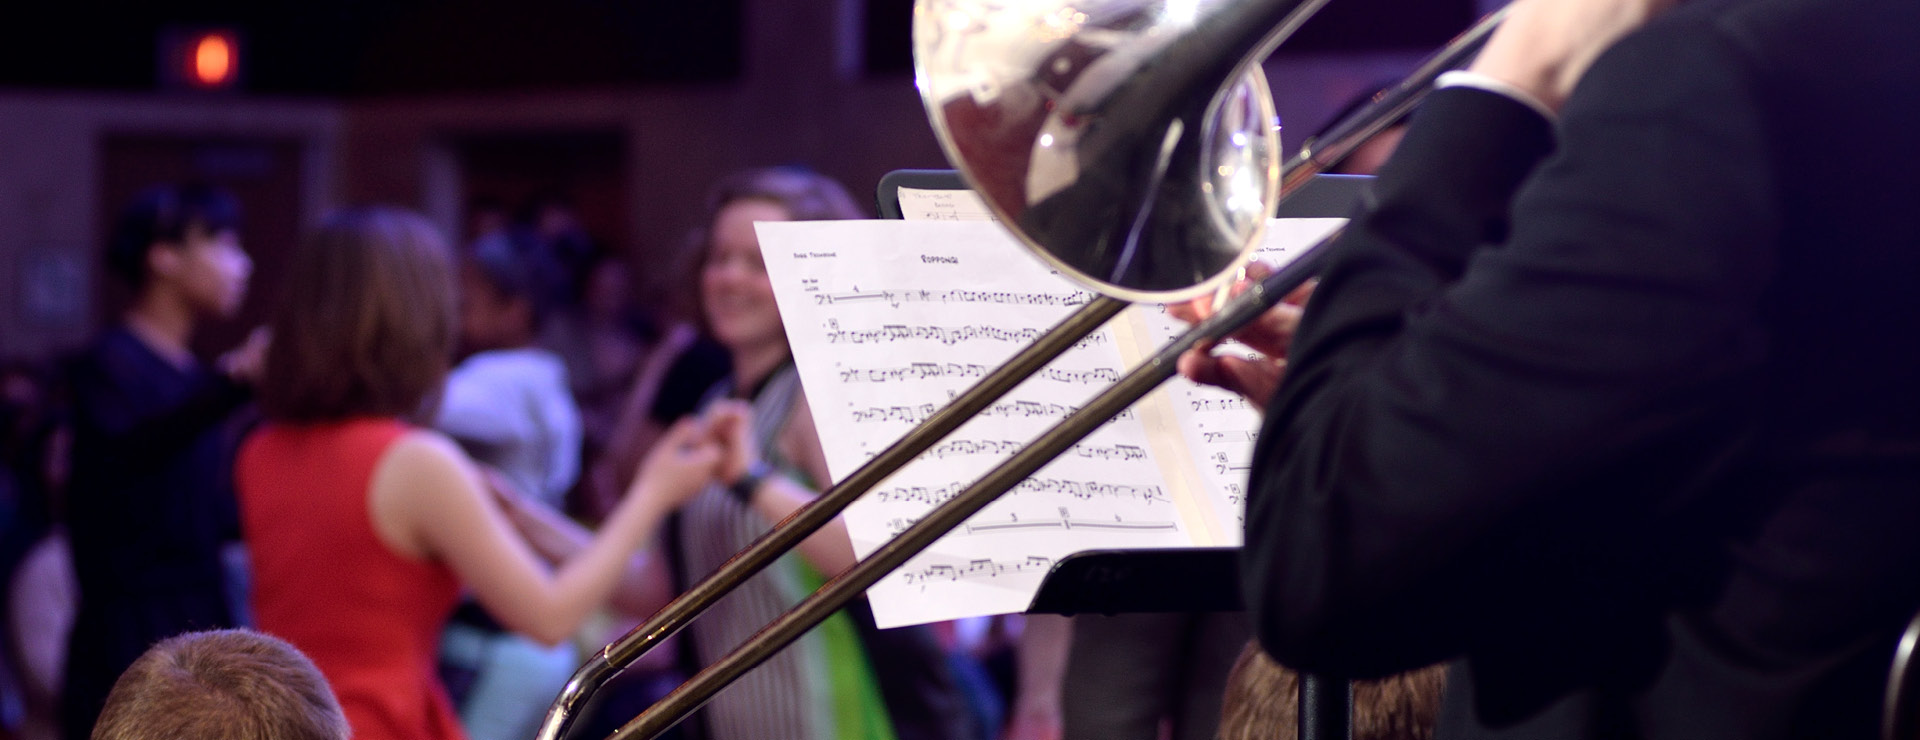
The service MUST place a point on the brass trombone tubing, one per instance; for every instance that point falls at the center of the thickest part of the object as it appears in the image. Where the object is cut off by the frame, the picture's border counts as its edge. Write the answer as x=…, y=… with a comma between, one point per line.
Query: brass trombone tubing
x=1314, y=157
x=1318, y=153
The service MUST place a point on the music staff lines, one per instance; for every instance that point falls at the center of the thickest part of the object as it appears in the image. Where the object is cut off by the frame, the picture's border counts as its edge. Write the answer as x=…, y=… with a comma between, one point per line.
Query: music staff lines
x=947, y=335
x=1224, y=464
x=975, y=570
x=1083, y=490
x=1220, y=404
x=1066, y=521
x=963, y=447
x=895, y=298
x=926, y=370
x=915, y=414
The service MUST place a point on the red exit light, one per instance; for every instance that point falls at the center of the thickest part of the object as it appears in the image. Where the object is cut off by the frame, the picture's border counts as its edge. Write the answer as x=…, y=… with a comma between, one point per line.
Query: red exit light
x=200, y=58
x=213, y=59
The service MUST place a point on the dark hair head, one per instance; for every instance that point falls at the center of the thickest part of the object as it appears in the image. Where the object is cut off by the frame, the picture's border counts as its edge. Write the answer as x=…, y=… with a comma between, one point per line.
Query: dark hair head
x=365, y=325
x=221, y=685
x=165, y=214
x=510, y=263
x=1262, y=702
x=807, y=195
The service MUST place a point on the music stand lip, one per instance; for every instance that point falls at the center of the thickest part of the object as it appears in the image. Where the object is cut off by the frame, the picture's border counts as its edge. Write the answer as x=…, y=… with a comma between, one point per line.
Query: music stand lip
x=1188, y=579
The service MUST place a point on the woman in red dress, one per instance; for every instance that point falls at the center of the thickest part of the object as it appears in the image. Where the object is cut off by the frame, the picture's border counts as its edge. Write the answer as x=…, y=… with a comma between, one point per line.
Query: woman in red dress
x=363, y=527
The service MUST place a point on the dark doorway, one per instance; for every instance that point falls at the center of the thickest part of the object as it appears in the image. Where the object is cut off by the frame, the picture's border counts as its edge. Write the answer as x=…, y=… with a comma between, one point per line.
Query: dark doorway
x=587, y=170
x=264, y=174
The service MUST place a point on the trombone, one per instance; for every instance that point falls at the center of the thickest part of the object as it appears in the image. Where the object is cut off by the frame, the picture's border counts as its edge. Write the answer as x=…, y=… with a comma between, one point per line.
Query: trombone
x=1130, y=144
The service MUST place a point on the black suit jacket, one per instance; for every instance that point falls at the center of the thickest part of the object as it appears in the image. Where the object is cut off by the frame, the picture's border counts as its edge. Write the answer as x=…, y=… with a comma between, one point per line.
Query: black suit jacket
x=1621, y=411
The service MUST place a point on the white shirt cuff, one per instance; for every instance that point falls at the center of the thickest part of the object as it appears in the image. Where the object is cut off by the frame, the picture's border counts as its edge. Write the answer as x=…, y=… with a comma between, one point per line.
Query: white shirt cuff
x=1464, y=78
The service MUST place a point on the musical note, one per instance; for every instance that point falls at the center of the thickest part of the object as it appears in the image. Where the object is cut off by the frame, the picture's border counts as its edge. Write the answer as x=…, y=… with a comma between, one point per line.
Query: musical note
x=1064, y=522
x=925, y=370
x=1095, y=376
x=1235, y=403
x=898, y=298
x=975, y=569
x=1071, y=298
x=1111, y=452
x=1224, y=464
x=909, y=414
x=958, y=447
x=915, y=371
x=854, y=296
x=962, y=447
x=918, y=413
x=947, y=335
x=1084, y=490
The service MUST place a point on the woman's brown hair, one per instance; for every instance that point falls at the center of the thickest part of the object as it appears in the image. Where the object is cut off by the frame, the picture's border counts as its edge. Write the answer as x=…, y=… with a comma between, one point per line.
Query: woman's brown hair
x=805, y=194
x=365, y=323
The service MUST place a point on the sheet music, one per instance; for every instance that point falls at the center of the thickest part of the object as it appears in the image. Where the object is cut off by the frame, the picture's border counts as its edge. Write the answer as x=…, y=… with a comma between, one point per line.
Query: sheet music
x=921, y=204
x=1218, y=426
x=890, y=319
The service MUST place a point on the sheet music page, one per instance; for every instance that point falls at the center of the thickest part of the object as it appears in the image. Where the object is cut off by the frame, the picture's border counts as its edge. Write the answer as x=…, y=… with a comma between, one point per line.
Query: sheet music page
x=889, y=319
x=922, y=204
x=1218, y=426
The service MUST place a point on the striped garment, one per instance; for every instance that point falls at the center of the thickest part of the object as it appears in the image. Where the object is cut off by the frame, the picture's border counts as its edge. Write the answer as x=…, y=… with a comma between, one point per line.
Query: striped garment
x=819, y=688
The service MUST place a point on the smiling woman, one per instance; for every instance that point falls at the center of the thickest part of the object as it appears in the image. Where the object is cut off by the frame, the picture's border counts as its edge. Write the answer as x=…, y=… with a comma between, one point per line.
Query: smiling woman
x=845, y=679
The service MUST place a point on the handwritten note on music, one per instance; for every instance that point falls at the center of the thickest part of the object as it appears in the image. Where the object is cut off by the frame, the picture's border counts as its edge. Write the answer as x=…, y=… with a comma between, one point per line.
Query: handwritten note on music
x=890, y=319
x=923, y=204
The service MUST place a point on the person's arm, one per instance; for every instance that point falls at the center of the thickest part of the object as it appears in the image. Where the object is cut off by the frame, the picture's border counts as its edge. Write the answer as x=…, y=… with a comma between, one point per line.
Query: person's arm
x=644, y=585
x=138, y=442
x=429, y=501
x=635, y=430
x=1042, y=666
x=1493, y=379
x=829, y=550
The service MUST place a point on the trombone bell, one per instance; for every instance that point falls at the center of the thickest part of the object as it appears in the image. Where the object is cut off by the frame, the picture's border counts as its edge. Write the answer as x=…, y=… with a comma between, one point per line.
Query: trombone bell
x=1124, y=141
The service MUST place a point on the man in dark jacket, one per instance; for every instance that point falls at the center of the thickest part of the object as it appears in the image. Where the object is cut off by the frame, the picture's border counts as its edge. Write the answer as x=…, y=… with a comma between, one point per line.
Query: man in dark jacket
x=1610, y=394
x=151, y=503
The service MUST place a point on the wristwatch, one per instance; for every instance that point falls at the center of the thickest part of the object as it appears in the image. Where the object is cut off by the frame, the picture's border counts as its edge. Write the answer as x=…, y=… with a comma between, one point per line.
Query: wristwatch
x=744, y=486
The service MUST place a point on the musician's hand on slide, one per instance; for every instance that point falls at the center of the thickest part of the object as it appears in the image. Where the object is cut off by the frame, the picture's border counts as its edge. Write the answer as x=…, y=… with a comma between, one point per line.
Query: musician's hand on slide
x=1544, y=46
x=1269, y=335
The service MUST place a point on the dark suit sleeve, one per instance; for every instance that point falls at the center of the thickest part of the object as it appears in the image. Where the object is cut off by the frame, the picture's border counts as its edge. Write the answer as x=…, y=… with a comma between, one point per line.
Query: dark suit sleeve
x=139, y=442
x=1510, y=349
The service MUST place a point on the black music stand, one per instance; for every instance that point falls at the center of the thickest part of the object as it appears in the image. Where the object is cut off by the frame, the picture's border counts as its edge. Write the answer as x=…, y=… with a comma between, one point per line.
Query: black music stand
x=1179, y=579
x=1195, y=579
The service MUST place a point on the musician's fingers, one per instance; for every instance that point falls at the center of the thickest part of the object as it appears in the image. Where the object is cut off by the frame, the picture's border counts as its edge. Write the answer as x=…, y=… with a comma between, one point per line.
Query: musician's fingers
x=1300, y=295
x=1272, y=332
x=1255, y=380
x=1193, y=311
x=1251, y=275
x=1199, y=365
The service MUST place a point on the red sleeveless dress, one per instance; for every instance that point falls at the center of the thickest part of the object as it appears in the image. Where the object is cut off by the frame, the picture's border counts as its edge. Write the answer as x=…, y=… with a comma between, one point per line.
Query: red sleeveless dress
x=369, y=618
